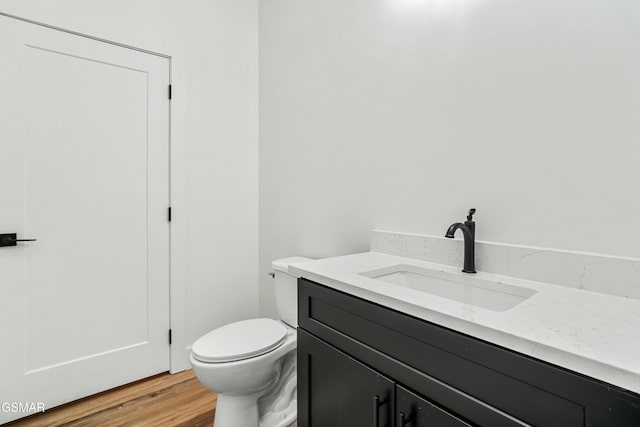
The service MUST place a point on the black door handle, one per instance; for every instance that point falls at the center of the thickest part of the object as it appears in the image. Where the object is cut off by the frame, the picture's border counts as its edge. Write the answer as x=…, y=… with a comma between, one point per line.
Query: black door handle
x=404, y=419
x=11, y=239
x=377, y=403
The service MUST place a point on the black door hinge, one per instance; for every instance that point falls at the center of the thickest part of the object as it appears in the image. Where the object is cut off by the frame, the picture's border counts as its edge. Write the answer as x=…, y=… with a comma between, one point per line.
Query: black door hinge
x=169, y=213
x=169, y=91
x=169, y=336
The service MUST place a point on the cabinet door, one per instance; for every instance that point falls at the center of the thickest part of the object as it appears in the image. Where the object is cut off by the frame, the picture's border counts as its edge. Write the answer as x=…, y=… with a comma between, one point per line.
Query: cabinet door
x=338, y=391
x=414, y=411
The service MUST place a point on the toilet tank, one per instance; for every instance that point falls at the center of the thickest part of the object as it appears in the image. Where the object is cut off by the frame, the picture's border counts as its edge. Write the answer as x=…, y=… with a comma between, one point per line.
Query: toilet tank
x=286, y=289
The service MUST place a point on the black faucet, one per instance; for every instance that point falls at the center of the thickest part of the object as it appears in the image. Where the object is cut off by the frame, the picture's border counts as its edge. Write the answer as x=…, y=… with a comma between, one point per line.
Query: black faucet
x=469, y=233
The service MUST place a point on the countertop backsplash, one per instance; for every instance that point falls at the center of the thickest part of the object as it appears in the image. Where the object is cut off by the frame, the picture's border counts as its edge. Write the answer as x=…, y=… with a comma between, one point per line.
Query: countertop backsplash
x=611, y=275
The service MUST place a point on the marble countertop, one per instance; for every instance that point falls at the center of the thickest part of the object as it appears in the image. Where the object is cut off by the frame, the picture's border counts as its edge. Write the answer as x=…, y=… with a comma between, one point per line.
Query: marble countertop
x=595, y=334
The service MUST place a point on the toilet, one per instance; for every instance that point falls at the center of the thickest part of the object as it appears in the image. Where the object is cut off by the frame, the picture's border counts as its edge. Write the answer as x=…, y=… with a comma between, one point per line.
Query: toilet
x=251, y=364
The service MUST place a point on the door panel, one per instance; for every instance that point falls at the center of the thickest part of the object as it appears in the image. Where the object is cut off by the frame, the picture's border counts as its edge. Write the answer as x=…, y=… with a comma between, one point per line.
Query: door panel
x=84, y=138
x=336, y=390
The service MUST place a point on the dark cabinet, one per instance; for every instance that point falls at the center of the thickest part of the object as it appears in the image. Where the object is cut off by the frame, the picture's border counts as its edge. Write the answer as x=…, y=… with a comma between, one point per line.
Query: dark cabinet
x=338, y=390
x=351, y=350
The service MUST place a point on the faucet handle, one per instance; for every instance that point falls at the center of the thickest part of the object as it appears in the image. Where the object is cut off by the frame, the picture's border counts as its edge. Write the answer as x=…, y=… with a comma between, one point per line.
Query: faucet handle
x=470, y=216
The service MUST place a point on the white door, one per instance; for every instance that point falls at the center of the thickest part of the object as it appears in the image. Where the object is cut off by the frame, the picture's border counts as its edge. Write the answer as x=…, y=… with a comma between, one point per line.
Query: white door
x=84, y=169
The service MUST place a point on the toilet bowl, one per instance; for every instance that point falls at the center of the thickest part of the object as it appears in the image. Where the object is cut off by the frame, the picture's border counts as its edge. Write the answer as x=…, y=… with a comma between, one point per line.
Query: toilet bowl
x=251, y=364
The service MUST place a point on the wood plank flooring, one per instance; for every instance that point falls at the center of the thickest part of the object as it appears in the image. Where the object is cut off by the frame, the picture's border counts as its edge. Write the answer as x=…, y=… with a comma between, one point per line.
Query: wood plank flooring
x=163, y=400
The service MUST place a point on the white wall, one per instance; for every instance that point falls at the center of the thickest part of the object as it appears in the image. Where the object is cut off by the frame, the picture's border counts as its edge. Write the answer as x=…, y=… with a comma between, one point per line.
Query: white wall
x=213, y=45
x=401, y=114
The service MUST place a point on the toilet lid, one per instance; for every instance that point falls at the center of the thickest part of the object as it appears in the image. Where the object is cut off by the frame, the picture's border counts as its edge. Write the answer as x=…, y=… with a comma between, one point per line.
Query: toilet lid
x=239, y=340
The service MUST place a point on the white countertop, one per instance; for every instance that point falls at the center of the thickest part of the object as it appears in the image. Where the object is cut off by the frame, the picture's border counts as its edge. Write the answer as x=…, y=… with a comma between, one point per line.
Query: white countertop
x=595, y=334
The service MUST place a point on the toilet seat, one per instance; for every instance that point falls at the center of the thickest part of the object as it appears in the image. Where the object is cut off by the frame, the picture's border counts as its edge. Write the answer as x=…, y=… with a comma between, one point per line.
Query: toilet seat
x=240, y=340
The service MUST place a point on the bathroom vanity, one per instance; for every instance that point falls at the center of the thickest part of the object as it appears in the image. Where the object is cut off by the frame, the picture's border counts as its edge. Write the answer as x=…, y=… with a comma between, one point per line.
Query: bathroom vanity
x=371, y=354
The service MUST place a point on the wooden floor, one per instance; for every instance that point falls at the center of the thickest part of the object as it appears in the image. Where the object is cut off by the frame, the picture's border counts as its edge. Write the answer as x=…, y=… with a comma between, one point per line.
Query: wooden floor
x=163, y=400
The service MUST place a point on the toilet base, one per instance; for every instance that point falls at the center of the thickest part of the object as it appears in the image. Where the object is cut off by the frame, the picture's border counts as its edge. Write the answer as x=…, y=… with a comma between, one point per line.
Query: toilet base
x=242, y=411
x=237, y=411
x=275, y=406
x=279, y=406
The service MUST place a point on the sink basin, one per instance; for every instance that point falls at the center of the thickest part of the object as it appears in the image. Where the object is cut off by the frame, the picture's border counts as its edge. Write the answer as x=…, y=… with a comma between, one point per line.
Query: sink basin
x=492, y=295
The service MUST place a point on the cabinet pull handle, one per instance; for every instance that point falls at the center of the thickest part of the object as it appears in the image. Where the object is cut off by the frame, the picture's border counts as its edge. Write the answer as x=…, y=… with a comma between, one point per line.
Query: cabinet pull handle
x=377, y=403
x=404, y=419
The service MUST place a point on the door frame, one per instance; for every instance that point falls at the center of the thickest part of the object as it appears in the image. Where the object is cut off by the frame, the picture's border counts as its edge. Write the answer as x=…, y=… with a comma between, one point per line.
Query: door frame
x=178, y=351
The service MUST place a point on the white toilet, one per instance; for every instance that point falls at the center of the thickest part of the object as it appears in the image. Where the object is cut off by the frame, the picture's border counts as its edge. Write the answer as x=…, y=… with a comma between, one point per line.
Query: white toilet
x=251, y=364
